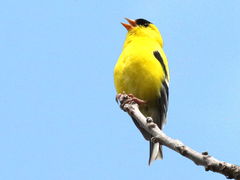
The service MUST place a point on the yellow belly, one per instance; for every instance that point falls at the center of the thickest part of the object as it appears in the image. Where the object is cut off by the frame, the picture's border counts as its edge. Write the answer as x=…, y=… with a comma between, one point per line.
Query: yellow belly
x=139, y=73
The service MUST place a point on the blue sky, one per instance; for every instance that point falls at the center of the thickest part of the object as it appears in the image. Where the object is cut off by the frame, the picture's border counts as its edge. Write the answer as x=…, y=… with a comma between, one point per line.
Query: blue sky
x=58, y=116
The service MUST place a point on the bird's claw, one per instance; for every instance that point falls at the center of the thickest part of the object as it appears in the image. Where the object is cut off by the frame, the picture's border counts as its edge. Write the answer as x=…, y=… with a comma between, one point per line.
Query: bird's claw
x=124, y=98
x=117, y=97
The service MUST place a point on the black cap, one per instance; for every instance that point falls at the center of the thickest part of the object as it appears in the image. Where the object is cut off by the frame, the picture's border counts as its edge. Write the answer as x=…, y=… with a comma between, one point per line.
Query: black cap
x=142, y=22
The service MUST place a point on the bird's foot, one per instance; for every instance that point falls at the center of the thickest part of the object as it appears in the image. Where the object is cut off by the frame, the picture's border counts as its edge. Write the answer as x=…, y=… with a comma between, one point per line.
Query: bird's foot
x=136, y=100
x=124, y=98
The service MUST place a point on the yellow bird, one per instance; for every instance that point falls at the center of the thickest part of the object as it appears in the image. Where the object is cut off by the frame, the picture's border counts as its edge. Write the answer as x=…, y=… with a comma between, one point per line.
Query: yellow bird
x=142, y=70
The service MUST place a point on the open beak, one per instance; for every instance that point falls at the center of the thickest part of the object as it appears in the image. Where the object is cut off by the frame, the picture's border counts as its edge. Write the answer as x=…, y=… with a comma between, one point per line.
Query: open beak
x=132, y=24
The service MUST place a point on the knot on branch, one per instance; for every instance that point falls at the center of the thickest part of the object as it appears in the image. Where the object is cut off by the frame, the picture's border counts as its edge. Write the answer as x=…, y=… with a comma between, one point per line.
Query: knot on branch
x=182, y=150
x=154, y=140
x=149, y=120
x=150, y=123
x=205, y=153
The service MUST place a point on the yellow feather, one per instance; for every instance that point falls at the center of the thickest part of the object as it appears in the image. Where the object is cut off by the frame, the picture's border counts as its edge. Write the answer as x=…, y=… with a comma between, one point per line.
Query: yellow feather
x=137, y=70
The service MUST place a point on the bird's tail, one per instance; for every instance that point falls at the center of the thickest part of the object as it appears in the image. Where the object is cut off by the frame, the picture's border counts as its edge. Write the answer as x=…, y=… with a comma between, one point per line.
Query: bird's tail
x=155, y=152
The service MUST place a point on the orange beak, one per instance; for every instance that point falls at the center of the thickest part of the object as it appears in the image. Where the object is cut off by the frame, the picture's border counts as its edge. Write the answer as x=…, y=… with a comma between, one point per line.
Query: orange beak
x=132, y=24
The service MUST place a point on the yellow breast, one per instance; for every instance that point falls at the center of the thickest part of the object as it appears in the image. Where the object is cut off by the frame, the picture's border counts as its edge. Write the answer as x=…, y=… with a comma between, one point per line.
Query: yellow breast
x=138, y=72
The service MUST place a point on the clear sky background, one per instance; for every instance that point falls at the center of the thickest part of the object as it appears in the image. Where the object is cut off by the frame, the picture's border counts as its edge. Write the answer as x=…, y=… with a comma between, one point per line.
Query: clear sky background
x=58, y=116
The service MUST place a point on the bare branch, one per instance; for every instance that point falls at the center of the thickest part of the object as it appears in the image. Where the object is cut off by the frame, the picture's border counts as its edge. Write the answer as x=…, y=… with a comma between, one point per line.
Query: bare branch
x=210, y=163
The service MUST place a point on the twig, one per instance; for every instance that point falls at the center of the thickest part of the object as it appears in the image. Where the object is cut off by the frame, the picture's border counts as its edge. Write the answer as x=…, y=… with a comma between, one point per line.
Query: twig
x=210, y=163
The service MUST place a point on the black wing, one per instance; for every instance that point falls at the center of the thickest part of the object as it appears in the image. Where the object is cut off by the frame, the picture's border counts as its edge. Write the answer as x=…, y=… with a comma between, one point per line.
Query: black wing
x=164, y=93
x=163, y=104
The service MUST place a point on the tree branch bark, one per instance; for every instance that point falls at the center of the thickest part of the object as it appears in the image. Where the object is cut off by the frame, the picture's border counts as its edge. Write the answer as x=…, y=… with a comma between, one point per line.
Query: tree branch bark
x=210, y=163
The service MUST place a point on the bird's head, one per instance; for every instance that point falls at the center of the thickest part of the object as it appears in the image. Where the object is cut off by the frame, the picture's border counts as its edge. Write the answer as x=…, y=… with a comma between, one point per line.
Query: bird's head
x=143, y=29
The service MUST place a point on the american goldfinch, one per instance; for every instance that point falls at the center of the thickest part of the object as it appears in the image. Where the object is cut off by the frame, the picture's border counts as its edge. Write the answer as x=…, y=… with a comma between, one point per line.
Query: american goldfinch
x=142, y=71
